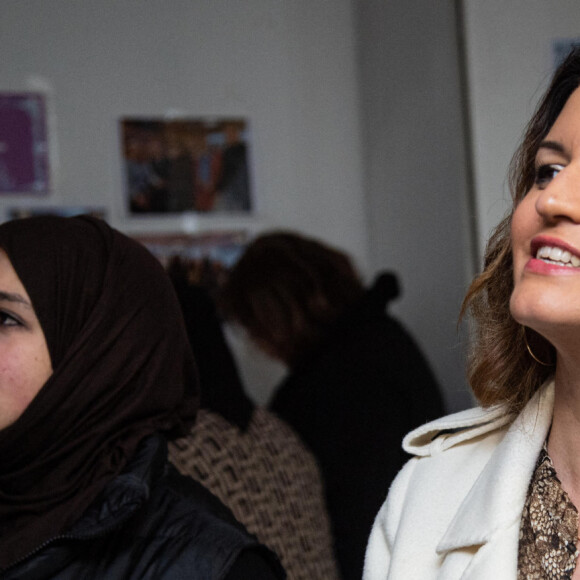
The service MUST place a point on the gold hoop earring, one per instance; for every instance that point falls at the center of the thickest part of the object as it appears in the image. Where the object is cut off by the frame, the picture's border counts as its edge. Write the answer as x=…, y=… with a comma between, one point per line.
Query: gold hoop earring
x=532, y=354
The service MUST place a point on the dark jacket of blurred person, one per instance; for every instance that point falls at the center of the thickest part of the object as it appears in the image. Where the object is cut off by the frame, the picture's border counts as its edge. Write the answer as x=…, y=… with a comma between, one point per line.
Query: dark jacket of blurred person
x=357, y=381
x=249, y=458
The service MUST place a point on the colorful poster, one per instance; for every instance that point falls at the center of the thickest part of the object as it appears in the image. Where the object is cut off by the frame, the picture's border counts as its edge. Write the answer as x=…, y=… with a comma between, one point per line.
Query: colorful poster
x=186, y=165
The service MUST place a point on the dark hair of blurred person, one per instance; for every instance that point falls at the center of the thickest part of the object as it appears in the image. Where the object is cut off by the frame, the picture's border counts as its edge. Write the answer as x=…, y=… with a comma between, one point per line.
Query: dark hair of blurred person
x=287, y=290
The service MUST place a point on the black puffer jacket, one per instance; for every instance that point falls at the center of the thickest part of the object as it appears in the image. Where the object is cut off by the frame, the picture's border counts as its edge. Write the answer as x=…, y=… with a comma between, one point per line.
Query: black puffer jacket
x=151, y=523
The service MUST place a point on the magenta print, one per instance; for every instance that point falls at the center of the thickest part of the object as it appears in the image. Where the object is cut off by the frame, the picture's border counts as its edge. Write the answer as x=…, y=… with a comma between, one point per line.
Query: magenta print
x=23, y=143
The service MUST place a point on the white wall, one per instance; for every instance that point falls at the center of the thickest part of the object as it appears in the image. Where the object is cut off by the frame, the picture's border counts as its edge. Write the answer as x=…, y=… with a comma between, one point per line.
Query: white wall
x=415, y=165
x=289, y=67
x=510, y=60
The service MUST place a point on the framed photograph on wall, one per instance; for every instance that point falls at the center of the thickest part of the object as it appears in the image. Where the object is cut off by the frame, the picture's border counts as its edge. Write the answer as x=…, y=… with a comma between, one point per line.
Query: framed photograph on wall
x=186, y=165
x=24, y=166
x=202, y=259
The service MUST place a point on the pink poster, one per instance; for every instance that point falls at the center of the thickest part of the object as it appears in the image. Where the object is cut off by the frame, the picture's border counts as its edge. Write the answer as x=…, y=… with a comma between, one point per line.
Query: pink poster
x=23, y=143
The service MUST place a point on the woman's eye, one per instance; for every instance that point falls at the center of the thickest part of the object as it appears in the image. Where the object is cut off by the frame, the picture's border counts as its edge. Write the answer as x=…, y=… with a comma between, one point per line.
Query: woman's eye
x=8, y=320
x=545, y=173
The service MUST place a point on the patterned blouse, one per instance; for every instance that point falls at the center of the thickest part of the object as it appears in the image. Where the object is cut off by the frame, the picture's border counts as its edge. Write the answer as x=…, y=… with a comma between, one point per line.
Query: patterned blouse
x=549, y=527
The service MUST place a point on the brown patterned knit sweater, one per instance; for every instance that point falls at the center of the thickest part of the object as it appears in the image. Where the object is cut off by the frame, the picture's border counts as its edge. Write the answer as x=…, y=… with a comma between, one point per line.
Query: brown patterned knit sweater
x=270, y=481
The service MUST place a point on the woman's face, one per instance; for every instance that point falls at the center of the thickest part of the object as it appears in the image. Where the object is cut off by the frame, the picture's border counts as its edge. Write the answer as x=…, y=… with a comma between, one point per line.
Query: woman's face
x=546, y=236
x=24, y=358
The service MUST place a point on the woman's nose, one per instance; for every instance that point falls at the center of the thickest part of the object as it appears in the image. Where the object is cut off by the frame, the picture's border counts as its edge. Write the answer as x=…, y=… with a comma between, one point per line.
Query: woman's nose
x=560, y=199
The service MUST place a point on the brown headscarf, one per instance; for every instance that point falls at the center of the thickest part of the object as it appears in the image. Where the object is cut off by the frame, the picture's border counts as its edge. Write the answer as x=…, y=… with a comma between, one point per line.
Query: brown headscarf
x=122, y=370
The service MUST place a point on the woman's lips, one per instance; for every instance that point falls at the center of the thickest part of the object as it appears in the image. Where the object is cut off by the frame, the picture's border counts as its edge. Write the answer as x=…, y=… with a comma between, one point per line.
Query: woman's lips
x=553, y=256
x=543, y=267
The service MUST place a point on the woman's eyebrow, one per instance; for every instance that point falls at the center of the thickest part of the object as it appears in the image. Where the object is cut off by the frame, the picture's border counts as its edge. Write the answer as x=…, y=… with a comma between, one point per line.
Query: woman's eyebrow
x=554, y=146
x=14, y=297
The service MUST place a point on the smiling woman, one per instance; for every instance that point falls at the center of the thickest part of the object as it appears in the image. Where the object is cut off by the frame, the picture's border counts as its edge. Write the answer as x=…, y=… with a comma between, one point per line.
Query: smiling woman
x=492, y=492
x=545, y=236
x=96, y=375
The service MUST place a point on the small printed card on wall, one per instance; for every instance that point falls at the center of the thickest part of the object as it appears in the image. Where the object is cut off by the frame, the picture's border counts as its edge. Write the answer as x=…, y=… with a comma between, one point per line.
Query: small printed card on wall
x=561, y=47
x=63, y=211
x=24, y=166
x=186, y=165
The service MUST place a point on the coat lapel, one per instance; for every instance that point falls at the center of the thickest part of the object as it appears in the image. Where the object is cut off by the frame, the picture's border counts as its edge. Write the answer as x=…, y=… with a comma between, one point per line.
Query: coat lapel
x=490, y=514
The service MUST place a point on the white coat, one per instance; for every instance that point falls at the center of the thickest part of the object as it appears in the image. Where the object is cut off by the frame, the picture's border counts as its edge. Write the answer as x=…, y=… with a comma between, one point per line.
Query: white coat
x=454, y=510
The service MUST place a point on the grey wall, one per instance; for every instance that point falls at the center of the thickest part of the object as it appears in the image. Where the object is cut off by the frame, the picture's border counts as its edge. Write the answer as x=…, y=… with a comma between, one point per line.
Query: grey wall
x=288, y=67
x=510, y=61
x=415, y=159
x=295, y=69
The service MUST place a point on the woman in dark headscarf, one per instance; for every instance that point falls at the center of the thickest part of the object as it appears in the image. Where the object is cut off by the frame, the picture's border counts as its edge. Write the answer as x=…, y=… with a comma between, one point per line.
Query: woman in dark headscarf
x=95, y=375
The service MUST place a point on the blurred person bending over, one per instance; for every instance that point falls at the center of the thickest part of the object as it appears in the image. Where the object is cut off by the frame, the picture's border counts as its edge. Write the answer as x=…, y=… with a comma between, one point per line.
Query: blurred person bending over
x=357, y=382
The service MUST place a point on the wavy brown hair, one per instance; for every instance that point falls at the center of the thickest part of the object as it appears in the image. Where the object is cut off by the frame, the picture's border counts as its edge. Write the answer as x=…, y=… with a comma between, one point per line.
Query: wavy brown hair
x=286, y=290
x=501, y=371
